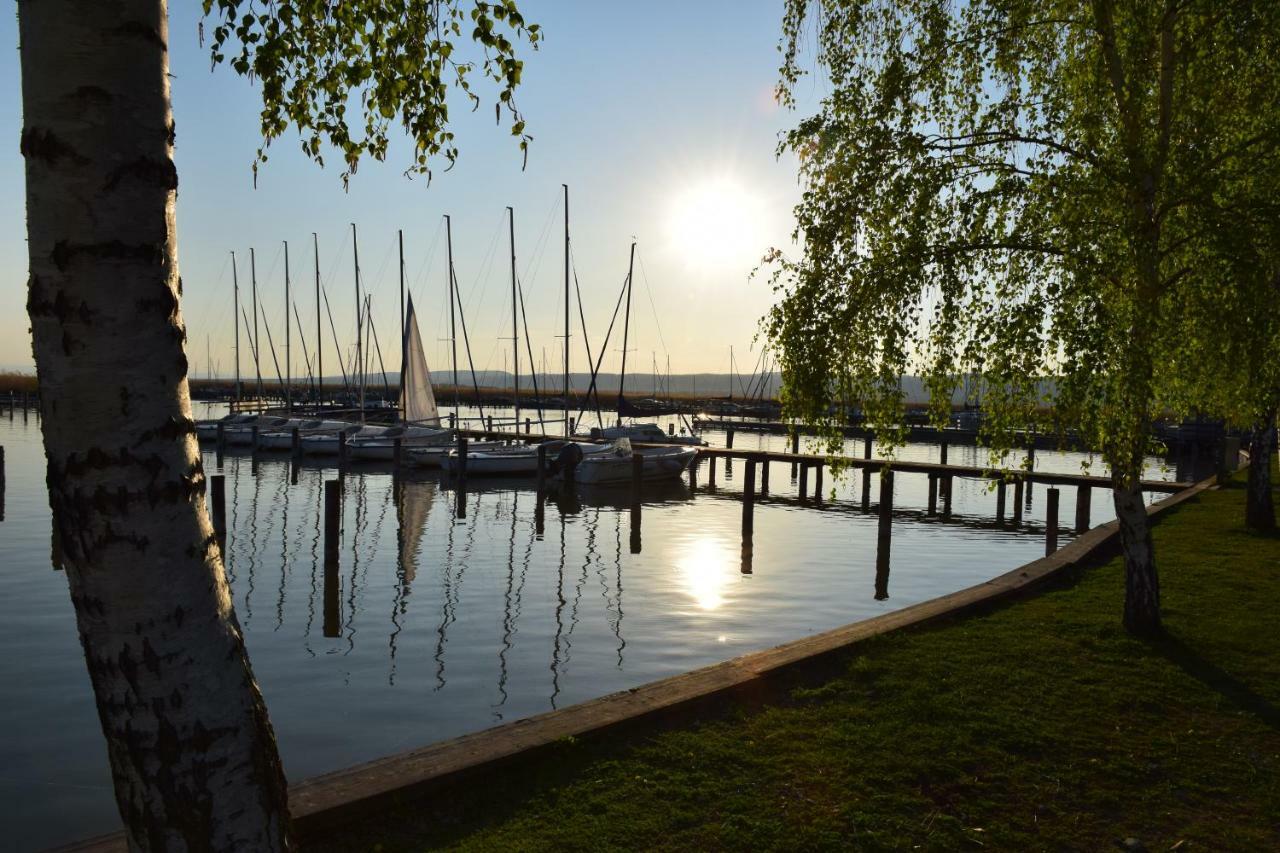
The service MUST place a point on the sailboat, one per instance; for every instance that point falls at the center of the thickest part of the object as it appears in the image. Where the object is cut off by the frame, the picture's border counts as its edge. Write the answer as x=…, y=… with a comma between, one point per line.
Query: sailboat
x=646, y=433
x=420, y=419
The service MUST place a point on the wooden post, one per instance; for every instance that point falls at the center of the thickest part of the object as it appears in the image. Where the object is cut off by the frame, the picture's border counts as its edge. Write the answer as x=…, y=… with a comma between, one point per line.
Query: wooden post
x=528, y=426
x=711, y=472
x=397, y=454
x=637, y=478
x=573, y=423
x=460, y=468
x=255, y=438
x=866, y=490
x=222, y=437
x=764, y=475
x=1051, y=523
x=1017, y=502
x=795, y=451
x=866, y=447
x=749, y=498
x=542, y=468
x=946, y=482
x=490, y=423
x=218, y=499
x=933, y=495
x=728, y=438
x=693, y=473
x=804, y=482
x=884, y=534
x=671, y=428
x=295, y=443
x=946, y=496
x=332, y=517
x=342, y=456
x=817, y=483
x=1000, y=500
x=1084, y=495
x=2, y=486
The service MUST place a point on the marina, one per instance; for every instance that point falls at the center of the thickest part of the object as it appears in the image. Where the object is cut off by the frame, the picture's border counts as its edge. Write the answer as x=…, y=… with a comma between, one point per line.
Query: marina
x=447, y=612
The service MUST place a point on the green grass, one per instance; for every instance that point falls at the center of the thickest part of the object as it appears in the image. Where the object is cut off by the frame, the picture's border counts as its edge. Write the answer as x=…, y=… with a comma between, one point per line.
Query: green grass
x=1037, y=726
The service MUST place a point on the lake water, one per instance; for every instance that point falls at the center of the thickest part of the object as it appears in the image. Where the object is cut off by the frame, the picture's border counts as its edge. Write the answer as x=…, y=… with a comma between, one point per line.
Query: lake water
x=437, y=625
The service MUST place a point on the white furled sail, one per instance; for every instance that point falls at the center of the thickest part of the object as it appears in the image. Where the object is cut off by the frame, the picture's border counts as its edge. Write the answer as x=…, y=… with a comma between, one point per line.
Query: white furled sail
x=416, y=396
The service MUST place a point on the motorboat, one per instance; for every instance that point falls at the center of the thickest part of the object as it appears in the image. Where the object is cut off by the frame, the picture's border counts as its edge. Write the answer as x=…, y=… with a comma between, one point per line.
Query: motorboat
x=382, y=445
x=616, y=465
x=645, y=434
x=207, y=430
x=517, y=459
x=327, y=443
x=433, y=455
x=282, y=439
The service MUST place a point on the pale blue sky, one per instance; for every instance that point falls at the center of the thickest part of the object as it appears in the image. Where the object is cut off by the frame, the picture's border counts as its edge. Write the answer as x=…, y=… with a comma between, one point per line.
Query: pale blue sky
x=656, y=114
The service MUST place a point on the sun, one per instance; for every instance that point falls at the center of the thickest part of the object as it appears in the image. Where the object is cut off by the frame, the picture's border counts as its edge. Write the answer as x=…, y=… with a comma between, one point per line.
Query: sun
x=717, y=224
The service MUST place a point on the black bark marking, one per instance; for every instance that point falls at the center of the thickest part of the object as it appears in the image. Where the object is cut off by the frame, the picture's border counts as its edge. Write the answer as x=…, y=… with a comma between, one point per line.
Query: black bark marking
x=124, y=401
x=92, y=95
x=165, y=301
x=205, y=549
x=159, y=172
x=142, y=31
x=64, y=252
x=171, y=430
x=40, y=144
x=171, y=133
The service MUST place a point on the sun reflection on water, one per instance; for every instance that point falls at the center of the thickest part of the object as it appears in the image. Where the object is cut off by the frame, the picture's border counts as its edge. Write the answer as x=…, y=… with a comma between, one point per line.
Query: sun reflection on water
x=705, y=571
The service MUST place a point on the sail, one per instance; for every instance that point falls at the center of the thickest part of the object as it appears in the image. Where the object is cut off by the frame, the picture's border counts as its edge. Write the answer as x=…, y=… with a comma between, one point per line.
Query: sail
x=416, y=396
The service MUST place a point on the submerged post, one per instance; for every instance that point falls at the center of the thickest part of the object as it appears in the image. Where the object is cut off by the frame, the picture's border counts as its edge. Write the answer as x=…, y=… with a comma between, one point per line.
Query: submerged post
x=693, y=473
x=332, y=518
x=1051, y=523
x=946, y=497
x=460, y=467
x=884, y=534
x=866, y=490
x=728, y=438
x=397, y=454
x=866, y=447
x=295, y=443
x=637, y=477
x=218, y=499
x=342, y=456
x=764, y=474
x=749, y=498
x=528, y=426
x=1017, y=502
x=933, y=495
x=804, y=482
x=817, y=483
x=1000, y=501
x=795, y=451
x=1084, y=495
x=2, y=484
x=711, y=472
x=942, y=459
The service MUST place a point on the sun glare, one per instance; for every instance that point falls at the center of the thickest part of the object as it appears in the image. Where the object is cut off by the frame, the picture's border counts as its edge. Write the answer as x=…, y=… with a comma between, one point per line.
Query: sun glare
x=705, y=571
x=717, y=224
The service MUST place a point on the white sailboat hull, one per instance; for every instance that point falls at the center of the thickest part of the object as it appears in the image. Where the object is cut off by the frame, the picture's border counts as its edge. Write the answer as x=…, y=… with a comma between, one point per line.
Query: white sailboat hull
x=659, y=464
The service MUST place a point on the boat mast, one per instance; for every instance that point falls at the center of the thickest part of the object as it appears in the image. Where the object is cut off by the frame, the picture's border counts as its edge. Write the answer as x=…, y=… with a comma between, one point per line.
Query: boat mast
x=453, y=332
x=235, y=281
x=515, y=329
x=288, y=330
x=626, y=331
x=315, y=242
x=355, y=254
x=403, y=331
x=257, y=366
x=566, y=308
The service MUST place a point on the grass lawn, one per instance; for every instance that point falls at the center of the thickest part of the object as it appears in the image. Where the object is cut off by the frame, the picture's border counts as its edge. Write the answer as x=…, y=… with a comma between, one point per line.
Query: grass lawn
x=1037, y=726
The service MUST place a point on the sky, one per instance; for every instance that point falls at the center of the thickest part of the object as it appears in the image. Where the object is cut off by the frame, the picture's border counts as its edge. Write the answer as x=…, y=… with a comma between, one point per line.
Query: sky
x=659, y=116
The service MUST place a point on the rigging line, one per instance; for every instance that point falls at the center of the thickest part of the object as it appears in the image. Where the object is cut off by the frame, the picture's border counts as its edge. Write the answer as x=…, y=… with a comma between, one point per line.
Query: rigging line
x=605, y=348
x=272, y=346
x=649, y=291
x=386, y=383
x=482, y=277
x=529, y=346
x=467, y=342
x=346, y=388
x=217, y=284
x=587, y=341
x=431, y=253
x=540, y=247
x=305, y=356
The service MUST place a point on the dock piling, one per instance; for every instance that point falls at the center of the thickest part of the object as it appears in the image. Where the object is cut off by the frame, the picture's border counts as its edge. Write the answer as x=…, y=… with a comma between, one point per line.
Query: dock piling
x=397, y=454
x=749, y=499
x=817, y=483
x=795, y=451
x=528, y=426
x=1051, y=523
x=1017, y=502
x=804, y=482
x=1084, y=495
x=218, y=500
x=2, y=483
x=866, y=490
x=933, y=495
x=711, y=473
x=295, y=443
x=332, y=532
x=866, y=447
x=542, y=469
x=1000, y=502
x=884, y=534
x=637, y=479
x=942, y=459
x=764, y=475
x=946, y=497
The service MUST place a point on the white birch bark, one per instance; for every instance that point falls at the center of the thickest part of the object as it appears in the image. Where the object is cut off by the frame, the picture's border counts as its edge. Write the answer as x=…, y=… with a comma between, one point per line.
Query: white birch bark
x=192, y=753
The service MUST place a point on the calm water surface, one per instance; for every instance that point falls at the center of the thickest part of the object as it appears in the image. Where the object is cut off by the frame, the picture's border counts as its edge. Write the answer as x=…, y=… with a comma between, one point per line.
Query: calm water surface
x=437, y=625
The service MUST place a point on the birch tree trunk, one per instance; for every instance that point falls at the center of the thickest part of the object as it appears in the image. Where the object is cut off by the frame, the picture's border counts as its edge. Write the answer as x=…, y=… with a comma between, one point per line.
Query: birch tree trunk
x=192, y=753
x=1141, y=581
x=1260, y=510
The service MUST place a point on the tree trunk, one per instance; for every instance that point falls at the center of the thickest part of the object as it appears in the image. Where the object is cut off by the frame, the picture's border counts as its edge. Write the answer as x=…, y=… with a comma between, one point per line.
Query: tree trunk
x=1260, y=510
x=191, y=749
x=1141, y=582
